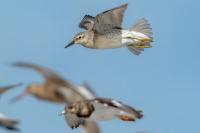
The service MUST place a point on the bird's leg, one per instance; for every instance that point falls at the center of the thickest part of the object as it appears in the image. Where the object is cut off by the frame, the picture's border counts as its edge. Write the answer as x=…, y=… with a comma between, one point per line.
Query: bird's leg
x=141, y=40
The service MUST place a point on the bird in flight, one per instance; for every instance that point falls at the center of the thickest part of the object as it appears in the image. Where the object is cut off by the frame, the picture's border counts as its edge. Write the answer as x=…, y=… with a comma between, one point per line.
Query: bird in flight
x=105, y=32
x=98, y=109
x=58, y=90
x=8, y=123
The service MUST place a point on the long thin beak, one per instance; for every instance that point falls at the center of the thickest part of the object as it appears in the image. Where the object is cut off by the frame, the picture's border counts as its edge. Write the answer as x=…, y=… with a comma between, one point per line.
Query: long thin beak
x=62, y=113
x=70, y=44
x=6, y=88
x=19, y=97
x=13, y=86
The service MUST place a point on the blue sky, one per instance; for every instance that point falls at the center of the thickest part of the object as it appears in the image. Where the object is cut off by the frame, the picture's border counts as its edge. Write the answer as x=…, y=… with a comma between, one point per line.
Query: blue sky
x=164, y=81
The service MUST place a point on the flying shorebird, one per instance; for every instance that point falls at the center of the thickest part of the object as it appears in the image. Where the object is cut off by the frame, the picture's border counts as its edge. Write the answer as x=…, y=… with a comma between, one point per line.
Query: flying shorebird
x=98, y=109
x=105, y=32
x=7, y=123
x=9, y=87
x=57, y=89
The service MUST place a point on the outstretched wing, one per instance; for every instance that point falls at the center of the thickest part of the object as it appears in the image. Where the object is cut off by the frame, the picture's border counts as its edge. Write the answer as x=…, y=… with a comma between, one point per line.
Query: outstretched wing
x=48, y=74
x=109, y=19
x=87, y=22
x=75, y=94
x=70, y=94
x=86, y=91
x=121, y=110
x=137, y=114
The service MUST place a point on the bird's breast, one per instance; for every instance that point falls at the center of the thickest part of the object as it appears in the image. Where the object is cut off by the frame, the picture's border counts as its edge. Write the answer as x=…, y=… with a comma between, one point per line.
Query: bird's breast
x=103, y=42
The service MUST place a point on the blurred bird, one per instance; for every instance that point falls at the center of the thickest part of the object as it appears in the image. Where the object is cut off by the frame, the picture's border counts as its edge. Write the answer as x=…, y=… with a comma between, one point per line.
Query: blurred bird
x=105, y=32
x=9, y=87
x=7, y=123
x=98, y=109
x=57, y=89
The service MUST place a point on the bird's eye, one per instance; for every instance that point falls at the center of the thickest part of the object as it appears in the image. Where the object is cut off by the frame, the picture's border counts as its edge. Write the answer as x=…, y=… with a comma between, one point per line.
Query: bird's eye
x=79, y=37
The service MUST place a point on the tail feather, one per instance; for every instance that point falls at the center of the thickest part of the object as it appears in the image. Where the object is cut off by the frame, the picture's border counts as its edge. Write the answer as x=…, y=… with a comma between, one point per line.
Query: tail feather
x=143, y=26
x=140, y=115
x=135, y=50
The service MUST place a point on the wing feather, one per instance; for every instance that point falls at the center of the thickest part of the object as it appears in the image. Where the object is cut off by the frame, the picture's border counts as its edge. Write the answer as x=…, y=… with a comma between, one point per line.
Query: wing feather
x=109, y=19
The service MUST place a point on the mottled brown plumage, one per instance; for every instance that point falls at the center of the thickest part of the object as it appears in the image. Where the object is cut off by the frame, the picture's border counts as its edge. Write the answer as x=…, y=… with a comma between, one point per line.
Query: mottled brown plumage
x=81, y=108
x=56, y=89
x=53, y=88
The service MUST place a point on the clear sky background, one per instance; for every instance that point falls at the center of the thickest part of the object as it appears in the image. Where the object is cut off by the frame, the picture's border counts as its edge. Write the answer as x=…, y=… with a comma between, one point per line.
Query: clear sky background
x=164, y=81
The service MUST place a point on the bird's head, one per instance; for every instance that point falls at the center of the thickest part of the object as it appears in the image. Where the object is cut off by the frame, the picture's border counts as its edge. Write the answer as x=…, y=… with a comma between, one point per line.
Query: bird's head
x=80, y=38
x=72, y=108
x=31, y=89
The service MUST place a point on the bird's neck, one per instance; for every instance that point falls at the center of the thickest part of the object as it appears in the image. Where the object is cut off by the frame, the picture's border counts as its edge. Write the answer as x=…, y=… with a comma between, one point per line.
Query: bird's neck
x=90, y=38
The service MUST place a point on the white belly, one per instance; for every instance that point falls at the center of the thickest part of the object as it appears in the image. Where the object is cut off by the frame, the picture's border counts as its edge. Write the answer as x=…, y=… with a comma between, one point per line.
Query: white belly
x=118, y=40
